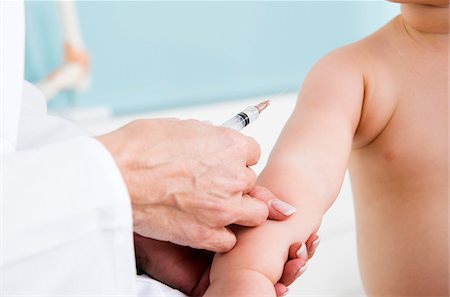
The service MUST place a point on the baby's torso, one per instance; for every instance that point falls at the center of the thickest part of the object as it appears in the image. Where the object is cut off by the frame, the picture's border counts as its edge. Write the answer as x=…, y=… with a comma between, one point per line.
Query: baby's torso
x=399, y=166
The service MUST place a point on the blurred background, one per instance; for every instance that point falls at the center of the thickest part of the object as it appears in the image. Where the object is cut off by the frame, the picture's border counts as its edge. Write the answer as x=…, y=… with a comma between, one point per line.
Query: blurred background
x=148, y=55
x=104, y=63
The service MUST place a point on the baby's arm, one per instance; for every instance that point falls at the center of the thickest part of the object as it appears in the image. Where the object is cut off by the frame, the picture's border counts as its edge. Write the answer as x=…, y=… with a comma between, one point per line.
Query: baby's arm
x=305, y=169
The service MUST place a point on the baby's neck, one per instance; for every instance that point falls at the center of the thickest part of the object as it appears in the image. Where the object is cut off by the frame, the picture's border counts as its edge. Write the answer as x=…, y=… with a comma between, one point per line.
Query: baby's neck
x=429, y=19
x=427, y=24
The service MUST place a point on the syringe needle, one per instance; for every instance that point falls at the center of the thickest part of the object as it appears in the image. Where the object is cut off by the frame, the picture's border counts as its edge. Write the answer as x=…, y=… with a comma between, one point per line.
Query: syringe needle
x=261, y=106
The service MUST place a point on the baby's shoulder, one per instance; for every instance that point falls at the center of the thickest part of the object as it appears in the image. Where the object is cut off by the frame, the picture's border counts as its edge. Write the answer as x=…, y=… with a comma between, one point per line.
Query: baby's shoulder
x=368, y=51
x=367, y=63
x=354, y=59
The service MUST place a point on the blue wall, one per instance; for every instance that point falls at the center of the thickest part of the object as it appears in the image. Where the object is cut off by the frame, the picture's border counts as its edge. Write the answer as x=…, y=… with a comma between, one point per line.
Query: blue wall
x=152, y=55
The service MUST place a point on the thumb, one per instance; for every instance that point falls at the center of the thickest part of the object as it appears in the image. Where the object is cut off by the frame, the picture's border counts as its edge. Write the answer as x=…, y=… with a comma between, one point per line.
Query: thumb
x=278, y=209
x=219, y=240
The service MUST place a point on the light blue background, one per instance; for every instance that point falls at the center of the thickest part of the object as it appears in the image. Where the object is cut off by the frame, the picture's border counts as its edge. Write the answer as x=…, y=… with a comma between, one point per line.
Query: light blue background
x=153, y=55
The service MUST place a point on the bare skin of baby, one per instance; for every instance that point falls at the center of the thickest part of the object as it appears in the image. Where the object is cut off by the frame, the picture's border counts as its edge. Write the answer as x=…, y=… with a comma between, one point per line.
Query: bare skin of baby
x=380, y=108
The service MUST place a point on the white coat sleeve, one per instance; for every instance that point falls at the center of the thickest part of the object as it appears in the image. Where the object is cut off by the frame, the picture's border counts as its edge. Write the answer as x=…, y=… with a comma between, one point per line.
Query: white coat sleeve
x=65, y=214
x=66, y=217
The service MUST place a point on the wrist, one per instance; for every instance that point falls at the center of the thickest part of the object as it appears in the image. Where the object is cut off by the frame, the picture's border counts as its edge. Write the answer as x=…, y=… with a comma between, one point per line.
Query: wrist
x=116, y=182
x=112, y=145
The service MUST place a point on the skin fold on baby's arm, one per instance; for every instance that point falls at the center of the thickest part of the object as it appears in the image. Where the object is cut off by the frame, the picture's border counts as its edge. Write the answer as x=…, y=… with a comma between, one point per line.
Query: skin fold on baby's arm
x=305, y=169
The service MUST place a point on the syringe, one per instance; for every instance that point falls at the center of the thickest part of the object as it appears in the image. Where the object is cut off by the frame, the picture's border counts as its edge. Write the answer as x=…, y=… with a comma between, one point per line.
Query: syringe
x=245, y=117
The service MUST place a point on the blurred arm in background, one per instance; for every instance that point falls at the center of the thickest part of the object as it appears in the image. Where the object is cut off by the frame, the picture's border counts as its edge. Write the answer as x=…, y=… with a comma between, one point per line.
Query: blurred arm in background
x=73, y=74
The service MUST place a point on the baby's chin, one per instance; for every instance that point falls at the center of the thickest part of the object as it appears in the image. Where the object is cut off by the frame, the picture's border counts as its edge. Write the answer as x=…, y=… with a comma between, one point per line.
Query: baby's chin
x=425, y=2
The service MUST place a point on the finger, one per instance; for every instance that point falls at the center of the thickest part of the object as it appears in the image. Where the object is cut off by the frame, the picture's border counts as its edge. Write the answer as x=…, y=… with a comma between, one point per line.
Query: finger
x=298, y=250
x=281, y=289
x=278, y=210
x=293, y=249
x=253, y=151
x=310, y=241
x=220, y=240
x=251, y=212
x=314, y=243
x=292, y=270
x=250, y=178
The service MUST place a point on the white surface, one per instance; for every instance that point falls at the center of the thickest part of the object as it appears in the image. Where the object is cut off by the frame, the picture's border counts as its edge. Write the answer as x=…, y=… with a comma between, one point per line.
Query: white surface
x=333, y=271
x=148, y=287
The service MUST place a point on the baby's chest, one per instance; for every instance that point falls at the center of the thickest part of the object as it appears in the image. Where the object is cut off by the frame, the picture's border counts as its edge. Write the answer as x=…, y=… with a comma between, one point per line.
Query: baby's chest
x=408, y=113
x=414, y=142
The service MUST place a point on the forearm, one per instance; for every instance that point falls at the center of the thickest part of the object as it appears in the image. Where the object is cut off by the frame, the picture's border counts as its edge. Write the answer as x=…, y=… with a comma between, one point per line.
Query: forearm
x=260, y=253
x=302, y=184
x=264, y=249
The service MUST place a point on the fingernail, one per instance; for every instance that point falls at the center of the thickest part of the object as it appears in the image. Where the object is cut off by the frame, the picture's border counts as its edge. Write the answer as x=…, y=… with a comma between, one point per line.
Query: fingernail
x=302, y=270
x=302, y=253
x=316, y=243
x=285, y=292
x=283, y=207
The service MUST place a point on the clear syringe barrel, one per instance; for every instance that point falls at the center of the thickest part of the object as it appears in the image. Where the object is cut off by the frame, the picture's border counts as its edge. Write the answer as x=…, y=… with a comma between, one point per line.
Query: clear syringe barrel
x=242, y=119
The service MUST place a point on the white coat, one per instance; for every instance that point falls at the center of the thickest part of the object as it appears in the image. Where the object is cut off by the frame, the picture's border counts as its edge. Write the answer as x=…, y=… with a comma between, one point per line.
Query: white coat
x=66, y=224
x=65, y=213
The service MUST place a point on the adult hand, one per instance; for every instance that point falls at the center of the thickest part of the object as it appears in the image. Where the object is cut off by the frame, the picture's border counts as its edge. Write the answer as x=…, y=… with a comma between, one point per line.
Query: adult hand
x=187, y=269
x=179, y=267
x=187, y=180
x=299, y=255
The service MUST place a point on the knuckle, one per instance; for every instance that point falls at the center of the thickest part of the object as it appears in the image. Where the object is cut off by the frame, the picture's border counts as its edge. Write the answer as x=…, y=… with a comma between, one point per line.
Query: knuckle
x=255, y=145
x=225, y=243
x=242, y=144
x=227, y=217
x=223, y=214
x=252, y=177
x=253, y=148
x=200, y=234
x=242, y=177
x=259, y=192
x=229, y=244
x=239, y=184
x=248, y=186
x=234, y=179
x=234, y=138
x=215, y=240
x=262, y=216
x=228, y=134
x=262, y=212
